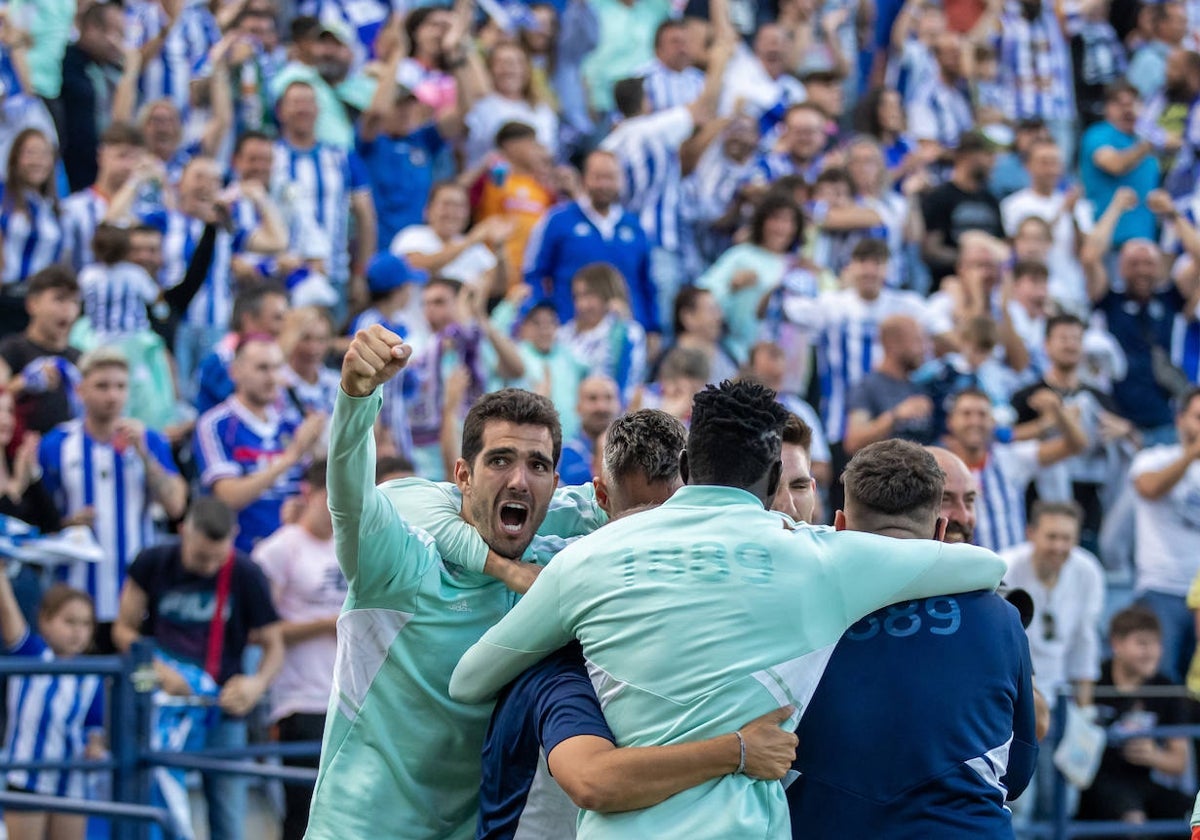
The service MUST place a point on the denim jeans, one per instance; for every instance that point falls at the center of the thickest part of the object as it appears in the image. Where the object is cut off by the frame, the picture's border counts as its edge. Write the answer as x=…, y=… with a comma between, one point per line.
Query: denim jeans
x=225, y=794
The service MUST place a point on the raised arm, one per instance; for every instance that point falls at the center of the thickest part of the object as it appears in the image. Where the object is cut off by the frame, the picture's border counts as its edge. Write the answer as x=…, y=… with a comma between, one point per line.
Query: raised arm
x=358, y=508
x=1097, y=243
x=877, y=571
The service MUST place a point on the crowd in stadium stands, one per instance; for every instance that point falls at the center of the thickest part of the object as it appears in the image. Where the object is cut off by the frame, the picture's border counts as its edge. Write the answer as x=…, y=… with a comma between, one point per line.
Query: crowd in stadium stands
x=969, y=223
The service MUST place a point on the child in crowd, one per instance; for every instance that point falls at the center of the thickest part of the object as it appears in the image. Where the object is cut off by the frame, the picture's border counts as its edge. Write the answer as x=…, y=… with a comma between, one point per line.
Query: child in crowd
x=1128, y=784
x=50, y=717
x=116, y=293
x=43, y=364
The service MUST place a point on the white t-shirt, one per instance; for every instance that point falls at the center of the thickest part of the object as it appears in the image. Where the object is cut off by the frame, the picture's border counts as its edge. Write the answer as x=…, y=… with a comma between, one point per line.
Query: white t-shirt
x=306, y=584
x=1066, y=277
x=490, y=113
x=467, y=267
x=1064, y=638
x=1167, y=533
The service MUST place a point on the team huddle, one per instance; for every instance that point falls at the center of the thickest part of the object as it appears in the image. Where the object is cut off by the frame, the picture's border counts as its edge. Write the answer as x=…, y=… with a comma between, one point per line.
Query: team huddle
x=662, y=676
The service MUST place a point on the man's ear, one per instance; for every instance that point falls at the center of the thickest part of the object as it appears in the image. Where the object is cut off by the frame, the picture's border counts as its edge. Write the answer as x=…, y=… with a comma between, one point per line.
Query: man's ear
x=601, y=494
x=839, y=520
x=683, y=466
x=774, y=478
x=462, y=475
x=939, y=530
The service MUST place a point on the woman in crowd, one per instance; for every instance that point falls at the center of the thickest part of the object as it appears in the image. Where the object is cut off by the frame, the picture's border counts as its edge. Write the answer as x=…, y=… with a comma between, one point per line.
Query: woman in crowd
x=30, y=228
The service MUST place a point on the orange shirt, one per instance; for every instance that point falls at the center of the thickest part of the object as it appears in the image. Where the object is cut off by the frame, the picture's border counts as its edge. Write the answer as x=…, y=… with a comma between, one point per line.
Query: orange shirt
x=523, y=200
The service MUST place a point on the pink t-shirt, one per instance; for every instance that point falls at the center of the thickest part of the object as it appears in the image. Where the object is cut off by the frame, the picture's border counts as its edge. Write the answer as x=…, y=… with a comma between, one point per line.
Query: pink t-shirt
x=306, y=585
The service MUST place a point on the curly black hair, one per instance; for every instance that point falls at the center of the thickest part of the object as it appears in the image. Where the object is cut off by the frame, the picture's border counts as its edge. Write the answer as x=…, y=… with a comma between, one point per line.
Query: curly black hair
x=736, y=434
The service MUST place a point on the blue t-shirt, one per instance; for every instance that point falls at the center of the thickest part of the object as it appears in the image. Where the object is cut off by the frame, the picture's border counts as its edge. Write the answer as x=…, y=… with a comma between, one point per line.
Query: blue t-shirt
x=549, y=703
x=400, y=170
x=1137, y=329
x=575, y=465
x=921, y=725
x=1099, y=186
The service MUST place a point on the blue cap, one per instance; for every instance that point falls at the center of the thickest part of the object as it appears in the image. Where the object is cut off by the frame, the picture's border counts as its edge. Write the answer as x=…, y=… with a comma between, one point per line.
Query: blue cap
x=387, y=271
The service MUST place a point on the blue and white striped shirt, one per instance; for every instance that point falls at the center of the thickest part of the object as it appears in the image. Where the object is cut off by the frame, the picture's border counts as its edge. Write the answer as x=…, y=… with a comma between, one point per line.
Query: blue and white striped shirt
x=848, y=333
x=648, y=150
x=213, y=304
x=941, y=113
x=168, y=75
x=1002, y=480
x=49, y=717
x=80, y=214
x=32, y=240
x=665, y=88
x=1035, y=66
x=82, y=472
x=313, y=189
x=116, y=298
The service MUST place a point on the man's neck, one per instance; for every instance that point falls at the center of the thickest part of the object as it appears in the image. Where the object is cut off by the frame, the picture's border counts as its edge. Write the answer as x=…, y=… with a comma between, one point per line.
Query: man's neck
x=43, y=339
x=316, y=531
x=1064, y=379
x=302, y=141
x=964, y=181
x=1125, y=678
x=99, y=430
x=892, y=367
x=1043, y=190
x=971, y=456
x=1047, y=575
x=261, y=412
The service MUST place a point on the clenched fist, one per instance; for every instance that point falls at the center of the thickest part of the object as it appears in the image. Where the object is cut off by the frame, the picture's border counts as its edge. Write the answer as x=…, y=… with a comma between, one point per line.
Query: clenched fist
x=376, y=355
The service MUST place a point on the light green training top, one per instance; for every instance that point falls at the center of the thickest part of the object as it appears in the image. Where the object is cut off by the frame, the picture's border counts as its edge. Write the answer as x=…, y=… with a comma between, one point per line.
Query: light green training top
x=1196, y=812
x=400, y=758
x=700, y=615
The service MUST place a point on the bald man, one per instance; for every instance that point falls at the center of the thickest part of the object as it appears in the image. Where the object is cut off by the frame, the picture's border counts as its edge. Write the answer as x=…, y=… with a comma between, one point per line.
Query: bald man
x=924, y=722
x=886, y=404
x=959, y=490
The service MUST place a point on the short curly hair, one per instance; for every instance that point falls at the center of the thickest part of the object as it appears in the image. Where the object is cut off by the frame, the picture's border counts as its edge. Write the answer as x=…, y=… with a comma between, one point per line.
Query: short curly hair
x=736, y=434
x=647, y=441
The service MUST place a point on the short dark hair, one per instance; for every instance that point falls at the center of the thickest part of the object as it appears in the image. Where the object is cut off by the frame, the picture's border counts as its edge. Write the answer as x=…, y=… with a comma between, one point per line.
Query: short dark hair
x=249, y=137
x=797, y=433
x=1030, y=268
x=514, y=130
x=94, y=15
x=110, y=244
x=512, y=405
x=647, y=441
x=249, y=302
x=1043, y=508
x=54, y=277
x=1118, y=88
x=772, y=203
x=834, y=175
x=1064, y=319
x=386, y=465
x=58, y=596
x=314, y=476
x=628, y=96
x=305, y=27
x=736, y=434
x=122, y=134
x=666, y=25
x=977, y=393
x=1132, y=620
x=211, y=518
x=894, y=481
x=686, y=301
x=874, y=250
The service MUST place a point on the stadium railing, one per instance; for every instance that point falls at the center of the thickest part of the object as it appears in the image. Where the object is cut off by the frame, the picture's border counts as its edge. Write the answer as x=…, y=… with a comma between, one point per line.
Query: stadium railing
x=130, y=691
